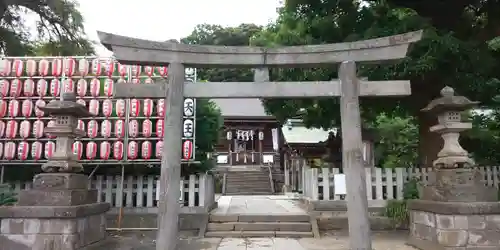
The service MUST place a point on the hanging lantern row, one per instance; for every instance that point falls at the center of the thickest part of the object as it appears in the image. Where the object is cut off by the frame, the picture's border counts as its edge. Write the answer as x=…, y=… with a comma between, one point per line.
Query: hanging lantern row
x=107, y=150
x=25, y=129
x=244, y=135
x=69, y=67
x=27, y=83
x=42, y=88
x=28, y=108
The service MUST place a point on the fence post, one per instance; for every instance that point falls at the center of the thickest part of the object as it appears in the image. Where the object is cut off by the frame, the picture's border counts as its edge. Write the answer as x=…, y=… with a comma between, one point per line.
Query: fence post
x=325, y=172
x=315, y=187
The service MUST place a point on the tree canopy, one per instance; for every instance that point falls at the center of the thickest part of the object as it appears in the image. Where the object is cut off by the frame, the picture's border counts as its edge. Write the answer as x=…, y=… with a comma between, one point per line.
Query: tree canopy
x=459, y=49
x=58, y=28
x=455, y=51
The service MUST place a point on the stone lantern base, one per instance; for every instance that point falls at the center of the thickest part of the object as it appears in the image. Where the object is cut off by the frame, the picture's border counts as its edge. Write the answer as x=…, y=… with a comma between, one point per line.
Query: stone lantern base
x=438, y=225
x=458, y=185
x=59, y=213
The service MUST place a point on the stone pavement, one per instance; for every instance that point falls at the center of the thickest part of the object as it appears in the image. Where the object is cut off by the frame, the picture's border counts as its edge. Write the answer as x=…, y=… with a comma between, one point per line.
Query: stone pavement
x=258, y=204
x=332, y=241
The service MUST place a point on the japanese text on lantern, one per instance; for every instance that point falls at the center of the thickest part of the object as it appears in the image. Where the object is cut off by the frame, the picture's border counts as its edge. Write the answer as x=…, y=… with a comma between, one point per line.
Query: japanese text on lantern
x=189, y=122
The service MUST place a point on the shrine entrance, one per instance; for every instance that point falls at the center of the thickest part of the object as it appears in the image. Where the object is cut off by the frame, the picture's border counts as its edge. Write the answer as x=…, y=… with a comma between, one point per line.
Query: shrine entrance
x=245, y=148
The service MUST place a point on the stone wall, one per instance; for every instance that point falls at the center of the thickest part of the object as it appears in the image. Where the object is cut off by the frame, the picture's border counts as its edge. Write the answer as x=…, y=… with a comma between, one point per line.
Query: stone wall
x=187, y=222
x=54, y=234
x=458, y=231
x=337, y=220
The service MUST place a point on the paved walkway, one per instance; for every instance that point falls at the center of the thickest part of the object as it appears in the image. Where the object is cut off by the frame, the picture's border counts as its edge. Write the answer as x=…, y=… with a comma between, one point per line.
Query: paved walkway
x=230, y=205
x=258, y=204
x=339, y=241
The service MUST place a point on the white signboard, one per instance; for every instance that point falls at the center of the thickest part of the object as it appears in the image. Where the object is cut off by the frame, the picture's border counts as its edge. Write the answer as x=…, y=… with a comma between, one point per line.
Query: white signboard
x=275, y=135
x=339, y=184
x=222, y=159
x=268, y=159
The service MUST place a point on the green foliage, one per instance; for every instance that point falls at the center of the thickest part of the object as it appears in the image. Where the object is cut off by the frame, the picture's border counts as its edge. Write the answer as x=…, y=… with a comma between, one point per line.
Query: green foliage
x=494, y=43
x=397, y=210
x=7, y=197
x=397, y=141
x=241, y=35
x=59, y=27
x=63, y=48
x=209, y=124
x=457, y=49
x=483, y=140
x=440, y=58
x=411, y=189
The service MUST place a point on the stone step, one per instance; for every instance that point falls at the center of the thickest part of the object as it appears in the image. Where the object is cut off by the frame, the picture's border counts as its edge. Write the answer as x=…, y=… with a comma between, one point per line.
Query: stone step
x=248, y=182
x=249, y=190
x=266, y=184
x=260, y=226
x=262, y=186
x=247, y=172
x=243, y=188
x=241, y=177
x=288, y=217
x=250, y=234
x=247, y=178
x=249, y=193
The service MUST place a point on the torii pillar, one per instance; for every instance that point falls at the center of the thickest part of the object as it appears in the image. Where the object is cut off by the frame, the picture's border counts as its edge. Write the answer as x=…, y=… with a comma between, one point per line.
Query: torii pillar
x=177, y=56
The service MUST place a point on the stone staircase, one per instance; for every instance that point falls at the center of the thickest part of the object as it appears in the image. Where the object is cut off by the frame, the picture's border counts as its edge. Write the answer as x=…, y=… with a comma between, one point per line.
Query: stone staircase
x=260, y=225
x=248, y=182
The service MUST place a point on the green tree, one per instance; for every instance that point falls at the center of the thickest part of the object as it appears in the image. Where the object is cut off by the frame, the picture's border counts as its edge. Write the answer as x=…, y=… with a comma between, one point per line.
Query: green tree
x=456, y=50
x=59, y=28
x=62, y=48
x=209, y=124
x=483, y=140
x=397, y=141
x=241, y=35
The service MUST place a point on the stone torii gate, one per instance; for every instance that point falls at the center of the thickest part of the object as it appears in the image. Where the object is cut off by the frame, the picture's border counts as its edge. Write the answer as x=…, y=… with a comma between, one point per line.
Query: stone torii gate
x=178, y=56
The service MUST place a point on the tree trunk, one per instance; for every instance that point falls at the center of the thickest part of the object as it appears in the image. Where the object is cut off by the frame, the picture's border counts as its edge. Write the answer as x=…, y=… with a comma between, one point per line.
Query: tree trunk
x=430, y=143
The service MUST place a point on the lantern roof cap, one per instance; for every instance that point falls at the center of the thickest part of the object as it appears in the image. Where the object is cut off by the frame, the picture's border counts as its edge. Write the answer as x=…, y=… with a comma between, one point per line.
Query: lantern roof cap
x=449, y=102
x=67, y=106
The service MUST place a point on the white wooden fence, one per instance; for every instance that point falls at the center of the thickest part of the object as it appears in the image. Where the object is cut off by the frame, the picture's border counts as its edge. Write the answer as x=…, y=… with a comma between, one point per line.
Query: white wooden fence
x=141, y=191
x=382, y=184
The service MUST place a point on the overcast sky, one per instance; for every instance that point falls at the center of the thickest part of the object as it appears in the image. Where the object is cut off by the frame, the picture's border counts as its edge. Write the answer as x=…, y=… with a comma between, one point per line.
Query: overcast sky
x=170, y=19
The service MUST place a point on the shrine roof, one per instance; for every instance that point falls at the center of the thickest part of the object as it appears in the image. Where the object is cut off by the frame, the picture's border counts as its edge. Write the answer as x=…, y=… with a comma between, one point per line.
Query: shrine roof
x=241, y=108
x=301, y=134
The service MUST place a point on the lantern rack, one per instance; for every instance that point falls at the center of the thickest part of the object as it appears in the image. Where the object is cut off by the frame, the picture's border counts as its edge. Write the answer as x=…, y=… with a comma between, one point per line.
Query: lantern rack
x=133, y=72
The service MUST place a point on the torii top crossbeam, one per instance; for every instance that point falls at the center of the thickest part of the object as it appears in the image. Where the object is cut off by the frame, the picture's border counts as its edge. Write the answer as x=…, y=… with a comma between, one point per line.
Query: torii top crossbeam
x=348, y=87
x=143, y=52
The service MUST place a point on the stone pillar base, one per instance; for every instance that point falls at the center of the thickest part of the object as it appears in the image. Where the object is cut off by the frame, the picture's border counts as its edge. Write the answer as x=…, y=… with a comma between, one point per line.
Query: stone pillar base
x=458, y=185
x=55, y=228
x=60, y=213
x=454, y=225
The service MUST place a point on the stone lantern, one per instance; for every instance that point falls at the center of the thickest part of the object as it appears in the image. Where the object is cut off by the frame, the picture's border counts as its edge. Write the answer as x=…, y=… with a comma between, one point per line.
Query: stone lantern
x=66, y=113
x=456, y=210
x=60, y=212
x=454, y=179
x=449, y=109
